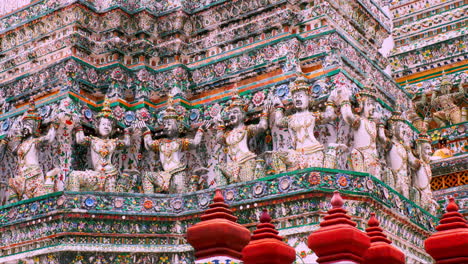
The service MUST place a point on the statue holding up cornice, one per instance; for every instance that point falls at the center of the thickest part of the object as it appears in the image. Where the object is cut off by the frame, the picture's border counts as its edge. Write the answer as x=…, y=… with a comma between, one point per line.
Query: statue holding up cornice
x=399, y=155
x=366, y=131
x=444, y=102
x=104, y=174
x=307, y=150
x=30, y=180
x=173, y=177
x=234, y=136
x=422, y=167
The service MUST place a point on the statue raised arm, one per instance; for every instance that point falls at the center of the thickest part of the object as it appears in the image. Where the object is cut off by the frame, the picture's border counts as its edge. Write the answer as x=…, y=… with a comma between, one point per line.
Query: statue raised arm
x=173, y=177
x=366, y=130
x=104, y=174
x=307, y=150
x=235, y=135
x=30, y=180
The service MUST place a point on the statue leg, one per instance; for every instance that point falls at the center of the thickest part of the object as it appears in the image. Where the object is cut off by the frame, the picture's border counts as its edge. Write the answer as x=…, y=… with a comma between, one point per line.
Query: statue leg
x=15, y=189
x=357, y=161
x=315, y=159
x=110, y=183
x=73, y=182
x=455, y=116
x=439, y=118
x=178, y=182
x=147, y=183
x=247, y=170
x=278, y=162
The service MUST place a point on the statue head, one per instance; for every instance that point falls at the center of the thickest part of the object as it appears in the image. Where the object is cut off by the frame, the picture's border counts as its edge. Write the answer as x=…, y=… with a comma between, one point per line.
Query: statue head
x=398, y=127
x=105, y=120
x=366, y=101
x=300, y=92
x=445, y=85
x=171, y=123
x=424, y=147
x=237, y=111
x=31, y=121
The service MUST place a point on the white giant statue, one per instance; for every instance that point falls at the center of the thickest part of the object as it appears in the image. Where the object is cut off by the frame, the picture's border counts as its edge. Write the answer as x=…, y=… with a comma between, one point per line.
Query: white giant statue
x=30, y=180
x=243, y=162
x=422, y=179
x=400, y=155
x=173, y=177
x=104, y=174
x=366, y=131
x=308, y=151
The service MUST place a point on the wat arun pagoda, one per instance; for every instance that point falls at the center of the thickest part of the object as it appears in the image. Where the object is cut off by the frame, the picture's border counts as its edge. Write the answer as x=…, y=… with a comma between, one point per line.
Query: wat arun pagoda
x=125, y=122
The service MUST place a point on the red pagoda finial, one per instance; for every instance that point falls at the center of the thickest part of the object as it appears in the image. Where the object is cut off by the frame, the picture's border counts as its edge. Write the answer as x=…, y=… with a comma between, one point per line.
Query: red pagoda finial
x=337, y=201
x=380, y=250
x=266, y=247
x=218, y=234
x=338, y=239
x=449, y=245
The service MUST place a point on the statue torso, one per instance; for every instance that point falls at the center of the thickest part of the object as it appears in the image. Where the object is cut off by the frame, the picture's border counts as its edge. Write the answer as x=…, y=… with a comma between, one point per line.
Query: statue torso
x=236, y=141
x=101, y=153
x=170, y=153
x=27, y=152
x=302, y=124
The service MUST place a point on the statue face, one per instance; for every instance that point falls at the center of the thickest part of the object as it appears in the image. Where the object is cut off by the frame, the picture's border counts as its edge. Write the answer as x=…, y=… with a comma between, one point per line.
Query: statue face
x=105, y=127
x=171, y=127
x=445, y=89
x=236, y=116
x=369, y=108
x=425, y=151
x=301, y=100
x=28, y=127
x=401, y=133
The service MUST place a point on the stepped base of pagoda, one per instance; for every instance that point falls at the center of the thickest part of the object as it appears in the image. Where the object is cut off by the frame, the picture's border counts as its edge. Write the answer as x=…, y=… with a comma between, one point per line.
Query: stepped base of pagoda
x=93, y=227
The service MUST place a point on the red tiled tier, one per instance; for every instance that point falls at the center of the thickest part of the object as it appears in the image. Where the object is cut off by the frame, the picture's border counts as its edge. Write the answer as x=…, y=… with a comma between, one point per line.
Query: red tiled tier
x=449, y=245
x=338, y=239
x=266, y=247
x=218, y=234
x=380, y=250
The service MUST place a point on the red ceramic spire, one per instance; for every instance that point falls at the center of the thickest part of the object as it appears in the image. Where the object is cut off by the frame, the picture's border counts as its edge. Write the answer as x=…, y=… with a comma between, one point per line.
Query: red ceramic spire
x=380, y=250
x=218, y=234
x=266, y=247
x=449, y=245
x=338, y=239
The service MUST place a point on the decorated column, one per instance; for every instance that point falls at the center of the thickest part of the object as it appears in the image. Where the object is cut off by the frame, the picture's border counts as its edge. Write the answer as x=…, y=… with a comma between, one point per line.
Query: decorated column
x=449, y=245
x=266, y=247
x=380, y=250
x=218, y=238
x=338, y=240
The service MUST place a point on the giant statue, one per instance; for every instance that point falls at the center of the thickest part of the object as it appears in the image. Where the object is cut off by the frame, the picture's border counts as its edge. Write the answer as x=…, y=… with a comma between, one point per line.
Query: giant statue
x=366, y=131
x=444, y=102
x=104, y=175
x=234, y=135
x=30, y=180
x=173, y=177
x=399, y=155
x=307, y=150
x=423, y=176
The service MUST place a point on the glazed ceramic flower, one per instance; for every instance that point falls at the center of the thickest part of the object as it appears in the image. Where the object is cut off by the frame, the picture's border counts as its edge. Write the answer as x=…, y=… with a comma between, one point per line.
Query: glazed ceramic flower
x=117, y=75
x=119, y=112
x=258, y=98
x=143, y=75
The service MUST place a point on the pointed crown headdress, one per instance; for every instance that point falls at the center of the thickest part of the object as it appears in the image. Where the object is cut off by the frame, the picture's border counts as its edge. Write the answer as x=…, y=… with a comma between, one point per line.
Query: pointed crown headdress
x=106, y=111
x=32, y=114
x=445, y=80
x=237, y=101
x=365, y=93
x=170, y=112
x=300, y=84
x=423, y=138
